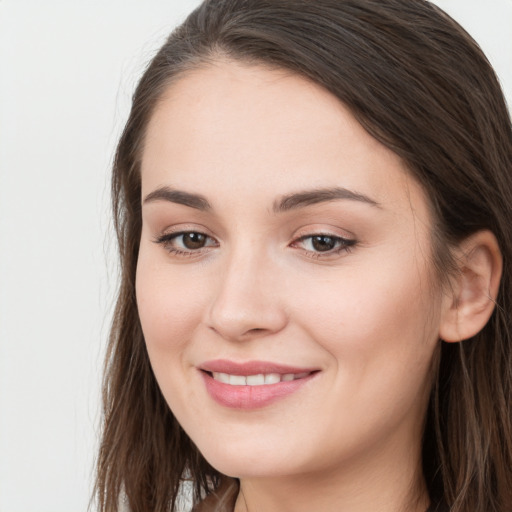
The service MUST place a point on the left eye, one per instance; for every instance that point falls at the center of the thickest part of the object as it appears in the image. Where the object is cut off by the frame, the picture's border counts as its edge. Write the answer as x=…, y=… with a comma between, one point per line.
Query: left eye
x=324, y=243
x=186, y=241
x=191, y=240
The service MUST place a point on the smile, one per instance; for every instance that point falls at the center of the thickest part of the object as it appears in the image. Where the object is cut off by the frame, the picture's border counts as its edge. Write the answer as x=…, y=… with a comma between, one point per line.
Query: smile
x=253, y=384
x=257, y=380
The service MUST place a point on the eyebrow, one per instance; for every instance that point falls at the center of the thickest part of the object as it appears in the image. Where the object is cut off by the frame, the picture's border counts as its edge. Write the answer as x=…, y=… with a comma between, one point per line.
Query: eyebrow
x=286, y=203
x=310, y=197
x=196, y=201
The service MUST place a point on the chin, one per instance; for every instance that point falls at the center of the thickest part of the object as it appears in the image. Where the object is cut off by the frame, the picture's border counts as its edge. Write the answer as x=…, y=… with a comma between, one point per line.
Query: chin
x=252, y=467
x=257, y=458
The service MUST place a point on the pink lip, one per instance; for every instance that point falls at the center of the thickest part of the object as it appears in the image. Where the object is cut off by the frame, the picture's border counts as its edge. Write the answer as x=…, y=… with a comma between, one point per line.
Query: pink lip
x=251, y=367
x=251, y=397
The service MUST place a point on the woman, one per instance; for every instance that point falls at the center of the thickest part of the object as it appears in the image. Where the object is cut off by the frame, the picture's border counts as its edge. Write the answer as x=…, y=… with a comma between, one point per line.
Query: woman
x=312, y=202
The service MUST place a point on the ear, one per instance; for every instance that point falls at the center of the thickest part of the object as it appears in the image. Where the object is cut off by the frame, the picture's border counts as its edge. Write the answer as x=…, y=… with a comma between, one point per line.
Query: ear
x=470, y=301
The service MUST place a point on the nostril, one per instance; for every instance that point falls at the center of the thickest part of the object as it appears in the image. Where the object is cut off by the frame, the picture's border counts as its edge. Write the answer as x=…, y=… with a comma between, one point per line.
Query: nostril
x=240, y=318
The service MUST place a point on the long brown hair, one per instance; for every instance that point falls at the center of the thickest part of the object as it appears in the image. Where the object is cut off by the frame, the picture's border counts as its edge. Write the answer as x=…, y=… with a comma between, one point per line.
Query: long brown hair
x=420, y=85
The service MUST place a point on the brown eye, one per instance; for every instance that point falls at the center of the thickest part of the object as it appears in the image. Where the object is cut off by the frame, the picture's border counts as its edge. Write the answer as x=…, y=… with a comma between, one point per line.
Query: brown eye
x=322, y=243
x=194, y=240
x=186, y=242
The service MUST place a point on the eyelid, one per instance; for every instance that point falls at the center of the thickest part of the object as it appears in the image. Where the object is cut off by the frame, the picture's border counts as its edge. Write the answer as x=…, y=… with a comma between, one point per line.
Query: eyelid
x=168, y=235
x=172, y=235
x=347, y=241
x=344, y=242
x=180, y=229
x=323, y=230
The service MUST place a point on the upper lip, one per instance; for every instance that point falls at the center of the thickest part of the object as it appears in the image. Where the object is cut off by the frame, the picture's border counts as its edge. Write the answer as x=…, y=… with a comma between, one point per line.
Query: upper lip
x=251, y=367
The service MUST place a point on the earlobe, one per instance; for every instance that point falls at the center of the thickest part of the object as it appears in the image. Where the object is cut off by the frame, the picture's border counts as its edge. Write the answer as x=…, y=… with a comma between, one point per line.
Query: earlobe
x=471, y=299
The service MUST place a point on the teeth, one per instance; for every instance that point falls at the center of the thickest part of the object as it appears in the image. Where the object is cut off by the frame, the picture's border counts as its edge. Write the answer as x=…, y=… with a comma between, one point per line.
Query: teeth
x=257, y=380
x=222, y=377
x=272, y=378
x=237, y=380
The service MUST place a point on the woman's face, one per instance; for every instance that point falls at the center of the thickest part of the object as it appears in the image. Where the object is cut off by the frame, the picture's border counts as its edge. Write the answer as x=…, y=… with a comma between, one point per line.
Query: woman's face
x=284, y=280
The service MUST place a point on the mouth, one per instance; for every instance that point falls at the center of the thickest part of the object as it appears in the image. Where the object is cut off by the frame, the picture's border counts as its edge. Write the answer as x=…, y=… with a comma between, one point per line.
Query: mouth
x=260, y=379
x=254, y=384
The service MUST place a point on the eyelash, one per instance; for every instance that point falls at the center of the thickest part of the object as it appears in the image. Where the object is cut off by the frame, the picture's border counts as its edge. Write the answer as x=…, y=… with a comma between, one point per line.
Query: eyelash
x=167, y=239
x=342, y=244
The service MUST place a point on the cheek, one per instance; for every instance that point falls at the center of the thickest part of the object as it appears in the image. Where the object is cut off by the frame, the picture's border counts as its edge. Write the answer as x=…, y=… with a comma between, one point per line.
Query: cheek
x=170, y=312
x=380, y=325
x=170, y=307
x=380, y=340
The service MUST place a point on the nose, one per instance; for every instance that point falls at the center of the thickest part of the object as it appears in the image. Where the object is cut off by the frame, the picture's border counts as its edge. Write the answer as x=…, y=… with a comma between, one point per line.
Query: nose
x=247, y=303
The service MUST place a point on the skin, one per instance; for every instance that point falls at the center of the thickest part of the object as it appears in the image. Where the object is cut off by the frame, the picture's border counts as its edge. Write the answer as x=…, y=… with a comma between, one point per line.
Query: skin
x=367, y=317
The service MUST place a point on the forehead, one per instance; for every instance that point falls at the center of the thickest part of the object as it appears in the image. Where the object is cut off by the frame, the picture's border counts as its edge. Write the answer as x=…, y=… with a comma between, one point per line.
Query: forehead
x=231, y=127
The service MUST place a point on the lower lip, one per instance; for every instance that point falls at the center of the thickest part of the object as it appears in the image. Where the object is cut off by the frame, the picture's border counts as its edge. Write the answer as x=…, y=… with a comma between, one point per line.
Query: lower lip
x=251, y=397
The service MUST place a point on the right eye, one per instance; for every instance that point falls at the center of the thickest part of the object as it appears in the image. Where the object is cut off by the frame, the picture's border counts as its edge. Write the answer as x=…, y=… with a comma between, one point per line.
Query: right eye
x=186, y=242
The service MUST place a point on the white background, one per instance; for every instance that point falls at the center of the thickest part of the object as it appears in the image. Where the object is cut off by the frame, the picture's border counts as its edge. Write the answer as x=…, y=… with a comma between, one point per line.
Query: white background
x=67, y=70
